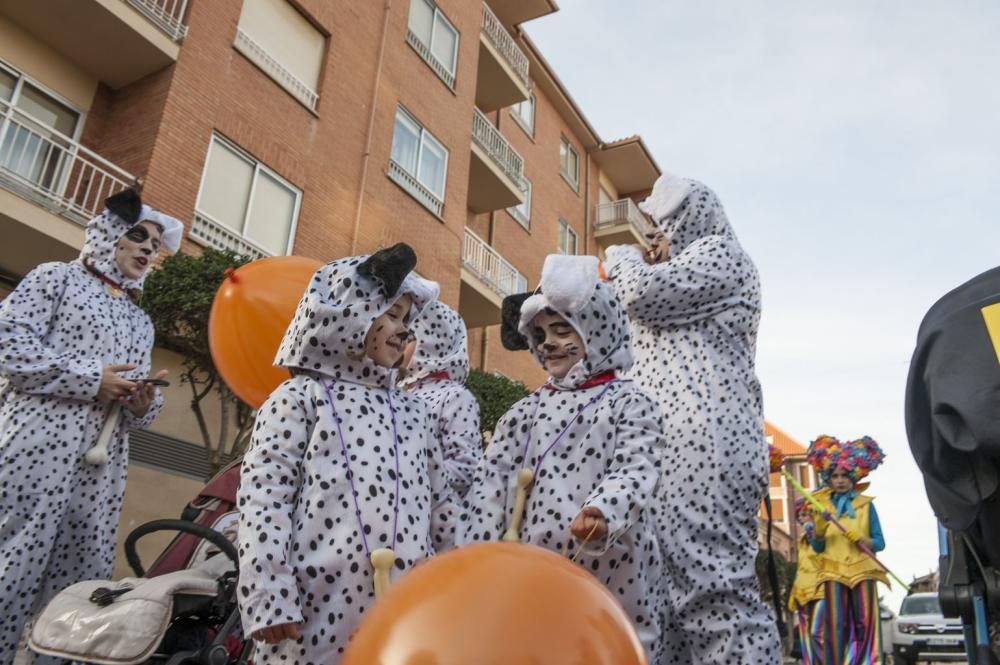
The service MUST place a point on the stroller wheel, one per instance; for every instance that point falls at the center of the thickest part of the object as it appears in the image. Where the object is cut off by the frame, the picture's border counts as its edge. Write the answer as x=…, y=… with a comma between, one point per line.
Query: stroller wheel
x=216, y=655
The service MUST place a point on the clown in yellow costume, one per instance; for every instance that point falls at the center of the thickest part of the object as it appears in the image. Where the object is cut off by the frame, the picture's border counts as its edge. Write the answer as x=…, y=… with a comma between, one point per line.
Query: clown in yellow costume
x=851, y=629
x=806, y=596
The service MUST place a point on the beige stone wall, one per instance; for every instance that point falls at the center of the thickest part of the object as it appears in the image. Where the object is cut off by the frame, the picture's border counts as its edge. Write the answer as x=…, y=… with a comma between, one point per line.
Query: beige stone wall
x=176, y=419
x=151, y=495
x=46, y=66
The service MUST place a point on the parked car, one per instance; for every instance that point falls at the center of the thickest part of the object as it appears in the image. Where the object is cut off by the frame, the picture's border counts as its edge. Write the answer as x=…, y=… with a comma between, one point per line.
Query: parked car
x=921, y=633
x=887, y=618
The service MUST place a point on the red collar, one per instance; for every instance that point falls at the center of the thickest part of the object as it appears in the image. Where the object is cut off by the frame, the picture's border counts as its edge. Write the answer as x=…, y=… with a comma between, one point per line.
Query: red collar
x=596, y=380
x=116, y=287
x=110, y=282
x=437, y=376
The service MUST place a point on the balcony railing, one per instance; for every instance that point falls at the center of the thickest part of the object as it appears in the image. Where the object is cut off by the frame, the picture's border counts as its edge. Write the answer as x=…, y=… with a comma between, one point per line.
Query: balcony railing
x=505, y=45
x=424, y=51
x=496, y=146
x=210, y=232
x=487, y=264
x=426, y=197
x=48, y=168
x=287, y=80
x=168, y=15
x=622, y=211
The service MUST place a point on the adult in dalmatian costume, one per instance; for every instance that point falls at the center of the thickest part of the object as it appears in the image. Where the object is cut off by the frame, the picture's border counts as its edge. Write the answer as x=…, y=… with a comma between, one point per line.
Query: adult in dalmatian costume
x=342, y=464
x=74, y=348
x=592, y=442
x=694, y=304
x=436, y=373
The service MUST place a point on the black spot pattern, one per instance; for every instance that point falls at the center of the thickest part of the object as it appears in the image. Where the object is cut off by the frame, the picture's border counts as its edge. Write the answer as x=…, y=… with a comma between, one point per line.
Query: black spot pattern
x=694, y=325
x=301, y=553
x=58, y=514
x=443, y=348
x=609, y=457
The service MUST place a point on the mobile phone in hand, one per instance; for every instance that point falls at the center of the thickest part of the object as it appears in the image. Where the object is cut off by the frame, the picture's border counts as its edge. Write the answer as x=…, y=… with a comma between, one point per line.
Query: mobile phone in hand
x=155, y=382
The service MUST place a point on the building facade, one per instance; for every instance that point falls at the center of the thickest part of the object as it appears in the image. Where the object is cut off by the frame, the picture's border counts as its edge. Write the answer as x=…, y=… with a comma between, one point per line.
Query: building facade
x=306, y=127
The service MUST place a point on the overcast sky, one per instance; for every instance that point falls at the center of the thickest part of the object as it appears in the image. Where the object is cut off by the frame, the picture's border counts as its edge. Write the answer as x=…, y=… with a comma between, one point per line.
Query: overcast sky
x=856, y=148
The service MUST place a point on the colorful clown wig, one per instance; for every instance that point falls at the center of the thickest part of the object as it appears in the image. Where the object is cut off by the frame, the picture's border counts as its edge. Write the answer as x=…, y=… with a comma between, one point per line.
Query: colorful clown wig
x=775, y=458
x=858, y=458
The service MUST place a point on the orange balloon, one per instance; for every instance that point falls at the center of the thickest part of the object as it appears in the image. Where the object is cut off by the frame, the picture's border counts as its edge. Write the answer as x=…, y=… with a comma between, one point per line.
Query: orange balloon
x=250, y=313
x=496, y=604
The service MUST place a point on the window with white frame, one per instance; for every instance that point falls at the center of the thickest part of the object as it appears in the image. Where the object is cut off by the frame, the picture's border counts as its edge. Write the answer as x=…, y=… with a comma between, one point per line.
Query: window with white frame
x=524, y=114
x=567, y=238
x=276, y=37
x=419, y=163
x=38, y=130
x=569, y=162
x=243, y=205
x=522, y=213
x=433, y=36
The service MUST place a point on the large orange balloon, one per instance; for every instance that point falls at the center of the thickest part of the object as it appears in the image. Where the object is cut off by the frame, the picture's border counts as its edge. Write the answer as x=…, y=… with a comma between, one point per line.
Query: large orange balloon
x=250, y=313
x=496, y=604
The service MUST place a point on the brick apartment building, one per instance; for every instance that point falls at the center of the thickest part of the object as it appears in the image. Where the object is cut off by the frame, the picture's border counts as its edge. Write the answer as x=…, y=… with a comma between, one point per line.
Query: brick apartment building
x=786, y=530
x=315, y=127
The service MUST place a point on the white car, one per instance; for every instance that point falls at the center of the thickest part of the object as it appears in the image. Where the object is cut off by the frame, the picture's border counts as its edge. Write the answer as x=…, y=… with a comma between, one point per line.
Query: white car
x=921, y=633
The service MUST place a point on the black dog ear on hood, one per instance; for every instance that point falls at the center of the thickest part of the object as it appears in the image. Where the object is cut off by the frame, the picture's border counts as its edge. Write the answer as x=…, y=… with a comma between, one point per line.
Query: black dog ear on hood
x=390, y=266
x=510, y=318
x=126, y=204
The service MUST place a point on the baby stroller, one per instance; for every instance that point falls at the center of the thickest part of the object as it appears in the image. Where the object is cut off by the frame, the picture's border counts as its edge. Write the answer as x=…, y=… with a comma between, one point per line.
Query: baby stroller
x=953, y=425
x=183, y=611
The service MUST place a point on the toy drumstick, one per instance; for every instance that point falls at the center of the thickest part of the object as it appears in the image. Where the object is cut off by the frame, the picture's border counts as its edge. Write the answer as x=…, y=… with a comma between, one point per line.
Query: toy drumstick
x=524, y=478
x=99, y=453
x=382, y=560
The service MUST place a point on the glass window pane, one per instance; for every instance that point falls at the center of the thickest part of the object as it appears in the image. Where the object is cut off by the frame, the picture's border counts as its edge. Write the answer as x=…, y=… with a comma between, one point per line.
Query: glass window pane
x=433, y=165
x=445, y=43
x=422, y=20
x=287, y=36
x=272, y=214
x=524, y=210
x=46, y=110
x=226, y=189
x=525, y=111
x=405, y=138
x=7, y=83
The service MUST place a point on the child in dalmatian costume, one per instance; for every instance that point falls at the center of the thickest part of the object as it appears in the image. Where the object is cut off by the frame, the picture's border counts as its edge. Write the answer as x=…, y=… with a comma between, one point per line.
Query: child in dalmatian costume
x=74, y=348
x=591, y=440
x=436, y=373
x=342, y=465
x=694, y=305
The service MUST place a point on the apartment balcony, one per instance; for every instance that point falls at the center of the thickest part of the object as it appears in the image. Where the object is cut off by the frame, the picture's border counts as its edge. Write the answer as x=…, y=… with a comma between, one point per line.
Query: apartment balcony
x=495, y=171
x=515, y=12
x=50, y=186
x=502, y=79
x=116, y=41
x=487, y=278
x=620, y=223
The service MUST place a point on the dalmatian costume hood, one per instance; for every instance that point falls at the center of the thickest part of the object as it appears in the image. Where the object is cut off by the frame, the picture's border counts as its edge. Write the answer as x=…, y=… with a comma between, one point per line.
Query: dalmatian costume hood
x=58, y=330
x=341, y=463
x=437, y=374
x=694, y=323
x=591, y=439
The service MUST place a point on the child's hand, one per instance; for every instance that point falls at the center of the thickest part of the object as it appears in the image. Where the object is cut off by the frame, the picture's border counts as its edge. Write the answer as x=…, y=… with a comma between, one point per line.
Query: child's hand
x=143, y=395
x=586, y=521
x=278, y=633
x=854, y=536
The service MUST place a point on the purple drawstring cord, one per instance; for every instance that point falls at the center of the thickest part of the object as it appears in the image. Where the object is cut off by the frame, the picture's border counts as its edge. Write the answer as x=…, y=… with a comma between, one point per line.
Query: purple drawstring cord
x=350, y=472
